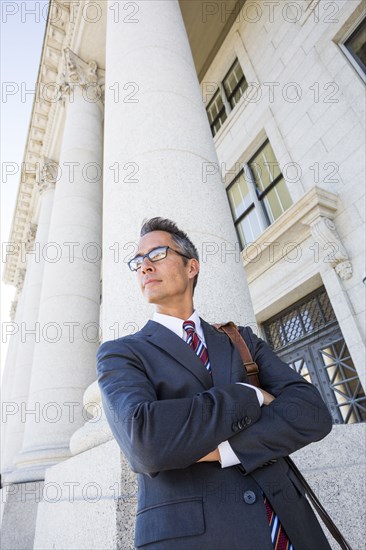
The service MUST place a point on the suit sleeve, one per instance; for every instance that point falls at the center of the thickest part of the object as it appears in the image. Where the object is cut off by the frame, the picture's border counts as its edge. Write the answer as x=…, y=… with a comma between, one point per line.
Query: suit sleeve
x=297, y=416
x=158, y=435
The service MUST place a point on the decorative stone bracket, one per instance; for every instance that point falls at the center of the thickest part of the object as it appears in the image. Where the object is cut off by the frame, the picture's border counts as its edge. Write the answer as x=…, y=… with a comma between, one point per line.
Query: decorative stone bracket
x=324, y=232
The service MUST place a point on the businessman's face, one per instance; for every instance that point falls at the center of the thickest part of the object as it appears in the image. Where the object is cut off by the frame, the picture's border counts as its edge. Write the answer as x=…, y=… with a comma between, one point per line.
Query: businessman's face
x=167, y=282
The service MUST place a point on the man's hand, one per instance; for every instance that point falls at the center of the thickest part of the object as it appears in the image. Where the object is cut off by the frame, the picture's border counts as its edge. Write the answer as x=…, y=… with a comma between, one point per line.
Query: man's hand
x=211, y=457
x=267, y=397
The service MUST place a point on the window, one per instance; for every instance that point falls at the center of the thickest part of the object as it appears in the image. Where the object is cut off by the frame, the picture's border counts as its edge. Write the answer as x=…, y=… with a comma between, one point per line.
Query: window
x=307, y=337
x=227, y=96
x=216, y=113
x=234, y=84
x=258, y=195
x=355, y=47
x=299, y=320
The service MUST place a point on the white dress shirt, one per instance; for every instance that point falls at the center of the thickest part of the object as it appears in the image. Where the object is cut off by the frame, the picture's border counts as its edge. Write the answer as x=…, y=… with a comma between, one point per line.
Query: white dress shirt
x=175, y=324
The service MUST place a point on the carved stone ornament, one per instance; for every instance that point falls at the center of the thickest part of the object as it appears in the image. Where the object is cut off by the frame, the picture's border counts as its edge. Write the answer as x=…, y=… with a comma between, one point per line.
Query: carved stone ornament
x=83, y=75
x=30, y=235
x=47, y=175
x=325, y=234
x=13, y=309
x=19, y=278
x=344, y=270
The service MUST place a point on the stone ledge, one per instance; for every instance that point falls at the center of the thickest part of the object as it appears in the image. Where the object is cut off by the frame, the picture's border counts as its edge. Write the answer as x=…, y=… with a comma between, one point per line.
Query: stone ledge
x=292, y=227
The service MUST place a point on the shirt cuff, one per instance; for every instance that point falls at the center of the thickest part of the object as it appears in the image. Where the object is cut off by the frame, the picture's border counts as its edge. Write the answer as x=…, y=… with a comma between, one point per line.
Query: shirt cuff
x=228, y=457
x=260, y=395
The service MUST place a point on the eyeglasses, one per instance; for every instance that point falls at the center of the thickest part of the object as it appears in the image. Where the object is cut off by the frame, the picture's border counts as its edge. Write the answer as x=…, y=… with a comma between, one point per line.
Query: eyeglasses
x=154, y=255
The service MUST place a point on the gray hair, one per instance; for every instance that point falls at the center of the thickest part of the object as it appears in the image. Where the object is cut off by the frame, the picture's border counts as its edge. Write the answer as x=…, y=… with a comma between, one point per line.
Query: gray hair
x=181, y=239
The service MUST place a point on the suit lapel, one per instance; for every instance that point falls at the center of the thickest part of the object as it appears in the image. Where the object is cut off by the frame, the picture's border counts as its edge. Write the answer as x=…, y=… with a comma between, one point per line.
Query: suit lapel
x=226, y=364
x=169, y=342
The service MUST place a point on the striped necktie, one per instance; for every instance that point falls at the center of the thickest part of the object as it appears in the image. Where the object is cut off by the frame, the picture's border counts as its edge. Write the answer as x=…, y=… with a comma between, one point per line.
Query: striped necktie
x=278, y=534
x=198, y=347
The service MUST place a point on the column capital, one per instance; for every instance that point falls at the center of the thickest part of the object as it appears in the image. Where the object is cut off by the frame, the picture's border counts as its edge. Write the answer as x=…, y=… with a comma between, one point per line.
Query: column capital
x=48, y=174
x=83, y=76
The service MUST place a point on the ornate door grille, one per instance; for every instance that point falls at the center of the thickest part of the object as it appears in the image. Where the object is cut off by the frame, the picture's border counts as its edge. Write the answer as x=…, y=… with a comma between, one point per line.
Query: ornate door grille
x=308, y=338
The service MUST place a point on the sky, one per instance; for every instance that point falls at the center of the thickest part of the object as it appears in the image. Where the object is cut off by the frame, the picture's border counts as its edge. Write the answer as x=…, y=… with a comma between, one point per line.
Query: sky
x=23, y=25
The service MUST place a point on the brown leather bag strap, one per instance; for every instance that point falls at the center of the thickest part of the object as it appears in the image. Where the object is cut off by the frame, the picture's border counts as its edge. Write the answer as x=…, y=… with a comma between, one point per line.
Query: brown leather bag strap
x=328, y=522
x=252, y=369
x=232, y=331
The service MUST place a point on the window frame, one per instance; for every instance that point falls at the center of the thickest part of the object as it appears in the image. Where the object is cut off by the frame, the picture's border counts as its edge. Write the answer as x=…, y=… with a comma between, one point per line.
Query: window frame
x=262, y=194
x=223, y=110
x=249, y=208
x=257, y=196
x=354, y=60
x=230, y=96
x=226, y=100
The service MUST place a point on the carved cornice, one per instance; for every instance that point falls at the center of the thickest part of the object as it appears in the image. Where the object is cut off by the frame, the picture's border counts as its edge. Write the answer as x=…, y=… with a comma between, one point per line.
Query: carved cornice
x=51, y=61
x=64, y=25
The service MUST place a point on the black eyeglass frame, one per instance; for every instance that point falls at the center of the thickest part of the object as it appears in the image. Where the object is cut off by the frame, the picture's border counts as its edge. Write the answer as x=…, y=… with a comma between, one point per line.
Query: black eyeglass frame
x=147, y=255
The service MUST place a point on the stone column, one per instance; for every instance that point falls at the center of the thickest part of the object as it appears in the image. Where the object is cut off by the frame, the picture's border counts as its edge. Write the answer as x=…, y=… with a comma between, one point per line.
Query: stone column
x=30, y=328
x=158, y=148
x=20, y=362
x=95, y=431
x=160, y=160
x=10, y=408
x=64, y=360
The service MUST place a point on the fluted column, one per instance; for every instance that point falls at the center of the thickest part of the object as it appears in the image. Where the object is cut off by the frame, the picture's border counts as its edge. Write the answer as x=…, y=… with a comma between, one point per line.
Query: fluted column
x=64, y=360
x=22, y=362
x=30, y=328
x=160, y=160
x=9, y=406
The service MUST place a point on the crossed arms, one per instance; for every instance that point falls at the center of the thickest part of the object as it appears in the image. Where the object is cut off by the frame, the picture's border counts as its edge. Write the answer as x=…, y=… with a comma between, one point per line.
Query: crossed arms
x=164, y=434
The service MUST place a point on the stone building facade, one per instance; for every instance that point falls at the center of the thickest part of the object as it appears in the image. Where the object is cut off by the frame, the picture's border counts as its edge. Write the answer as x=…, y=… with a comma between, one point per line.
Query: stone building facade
x=242, y=121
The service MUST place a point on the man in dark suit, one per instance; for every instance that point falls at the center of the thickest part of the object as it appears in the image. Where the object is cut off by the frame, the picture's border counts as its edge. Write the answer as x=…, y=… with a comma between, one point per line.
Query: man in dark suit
x=207, y=446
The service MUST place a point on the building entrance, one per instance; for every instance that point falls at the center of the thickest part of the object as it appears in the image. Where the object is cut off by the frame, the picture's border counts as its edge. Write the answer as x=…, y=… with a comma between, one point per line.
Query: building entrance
x=307, y=337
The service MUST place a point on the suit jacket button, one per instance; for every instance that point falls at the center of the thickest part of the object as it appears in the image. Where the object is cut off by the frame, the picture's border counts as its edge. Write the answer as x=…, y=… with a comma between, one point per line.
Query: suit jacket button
x=234, y=427
x=248, y=420
x=249, y=497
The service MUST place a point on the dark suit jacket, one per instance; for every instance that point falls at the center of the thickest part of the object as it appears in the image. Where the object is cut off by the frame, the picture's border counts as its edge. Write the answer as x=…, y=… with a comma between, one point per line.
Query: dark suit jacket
x=166, y=412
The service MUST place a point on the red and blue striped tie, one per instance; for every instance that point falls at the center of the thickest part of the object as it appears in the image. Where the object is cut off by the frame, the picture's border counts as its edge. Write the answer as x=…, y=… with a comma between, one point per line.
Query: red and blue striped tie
x=278, y=534
x=196, y=344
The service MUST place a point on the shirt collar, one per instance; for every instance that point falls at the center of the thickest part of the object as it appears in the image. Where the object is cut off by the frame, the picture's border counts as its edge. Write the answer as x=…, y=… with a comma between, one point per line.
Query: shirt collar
x=175, y=324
